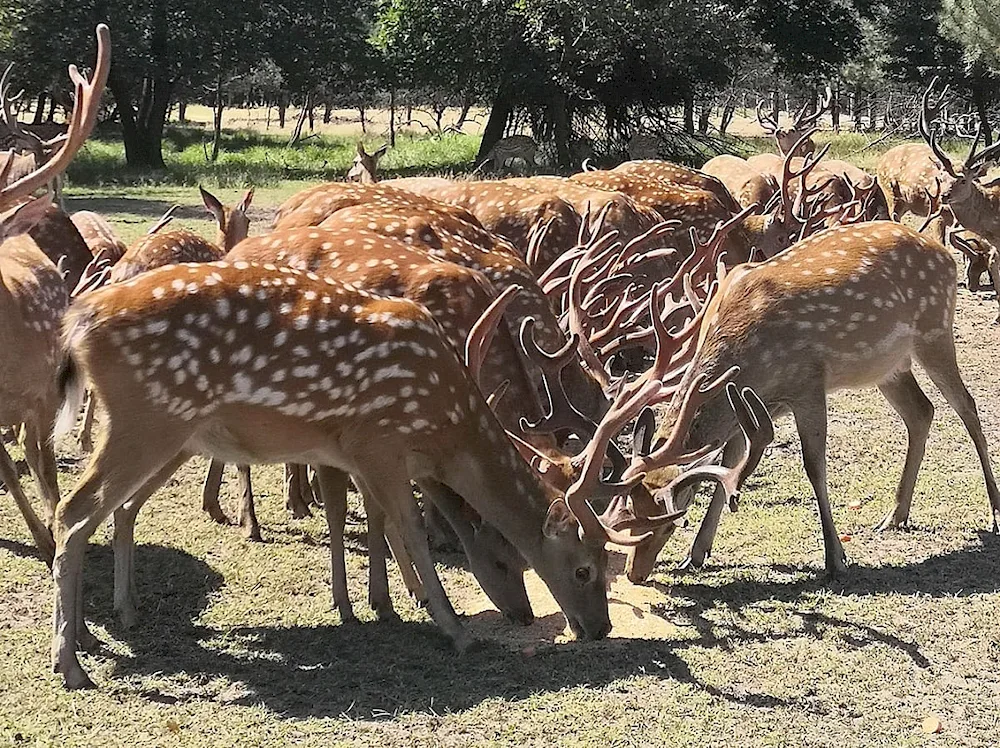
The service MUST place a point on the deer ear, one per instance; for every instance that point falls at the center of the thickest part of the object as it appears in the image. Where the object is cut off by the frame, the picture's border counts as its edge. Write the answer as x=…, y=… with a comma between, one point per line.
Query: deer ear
x=559, y=520
x=361, y=149
x=212, y=205
x=244, y=204
x=380, y=152
x=23, y=218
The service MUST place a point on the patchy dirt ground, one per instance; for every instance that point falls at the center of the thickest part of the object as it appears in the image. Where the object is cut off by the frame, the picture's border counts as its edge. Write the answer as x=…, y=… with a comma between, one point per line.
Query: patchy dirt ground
x=238, y=643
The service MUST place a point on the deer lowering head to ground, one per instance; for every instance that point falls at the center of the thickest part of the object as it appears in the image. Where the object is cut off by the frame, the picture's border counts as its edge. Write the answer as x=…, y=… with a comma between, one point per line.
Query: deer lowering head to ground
x=509, y=149
x=849, y=307
x=320, y=379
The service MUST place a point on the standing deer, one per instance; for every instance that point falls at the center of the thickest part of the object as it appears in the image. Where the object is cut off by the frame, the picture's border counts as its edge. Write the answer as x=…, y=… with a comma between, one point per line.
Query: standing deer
x=849, y=307
x=252, y=399
x=506, y=150
x=33, y=297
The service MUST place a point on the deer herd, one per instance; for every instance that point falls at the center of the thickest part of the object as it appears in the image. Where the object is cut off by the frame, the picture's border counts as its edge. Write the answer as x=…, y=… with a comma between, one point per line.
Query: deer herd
x=556, y=363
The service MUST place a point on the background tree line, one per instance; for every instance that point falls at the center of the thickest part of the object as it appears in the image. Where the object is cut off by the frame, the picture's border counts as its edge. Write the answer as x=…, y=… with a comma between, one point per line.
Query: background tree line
x=572, y=69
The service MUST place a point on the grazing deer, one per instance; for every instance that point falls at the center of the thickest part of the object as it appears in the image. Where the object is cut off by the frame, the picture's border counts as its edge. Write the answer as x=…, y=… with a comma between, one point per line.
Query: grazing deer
x=291, y=391
x=849, y=307
x=695, y=209
x=365, y=166
x=682, y=175
x=99, y=236
x=506, y=150
x=456, y=297
x=508, y=211
x=803, y=122
x=746, y=184
x=911, y=179
x=33, y=297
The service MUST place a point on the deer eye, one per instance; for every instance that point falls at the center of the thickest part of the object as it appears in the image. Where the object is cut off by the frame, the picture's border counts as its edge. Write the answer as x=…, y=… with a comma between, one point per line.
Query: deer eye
x=583, y=574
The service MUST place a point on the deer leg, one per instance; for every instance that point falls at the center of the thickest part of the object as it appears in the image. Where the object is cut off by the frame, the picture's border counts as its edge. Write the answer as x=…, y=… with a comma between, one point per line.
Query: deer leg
x=993, y=268
x=210, y=492
x=247, y=512
x=38, y=529
x=123, y=542
x=87, y=428
x=41, y=459
x=294, y=501
x=938, y=359
x=394, y=494
x=917, y=412
x=378, y=579
x=333, y=491
x=114, y=474
x=405, y=563
x=810, y=421
x=701, y=548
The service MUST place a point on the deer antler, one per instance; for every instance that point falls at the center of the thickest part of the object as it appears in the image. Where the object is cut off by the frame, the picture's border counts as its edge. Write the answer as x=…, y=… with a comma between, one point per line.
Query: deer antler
x=82, y=120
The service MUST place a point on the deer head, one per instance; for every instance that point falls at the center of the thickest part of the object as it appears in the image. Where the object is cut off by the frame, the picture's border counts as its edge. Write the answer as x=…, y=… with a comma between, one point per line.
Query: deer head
x=366, y=165
x=804, y=121
x=234, y=226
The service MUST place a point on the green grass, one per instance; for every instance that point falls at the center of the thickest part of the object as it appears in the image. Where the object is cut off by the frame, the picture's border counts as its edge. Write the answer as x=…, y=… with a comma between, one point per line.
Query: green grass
x=238, y=646
x=253, y=158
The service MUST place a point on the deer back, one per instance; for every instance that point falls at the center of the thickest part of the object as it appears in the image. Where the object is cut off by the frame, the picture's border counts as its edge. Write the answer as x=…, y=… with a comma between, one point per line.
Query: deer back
x=166, y=248
x=683, y=175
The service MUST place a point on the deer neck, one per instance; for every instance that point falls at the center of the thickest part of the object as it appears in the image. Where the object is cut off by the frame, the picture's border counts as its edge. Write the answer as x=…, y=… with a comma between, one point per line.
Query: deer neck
x=981, y=211
x=491, y=476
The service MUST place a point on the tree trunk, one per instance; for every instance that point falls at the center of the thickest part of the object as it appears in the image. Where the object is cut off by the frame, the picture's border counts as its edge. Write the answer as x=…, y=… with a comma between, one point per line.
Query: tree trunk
x=704, y=115
x=499, y=114
x=327, y=111
x=728, y=112
x=301, y=121
x=835, y=106
x=979, y=98
x=282, y=109
x=689, y=113
x=563, y=131
x=39, y=109
x=52, y=109
x=182, y=109
x=363, y=116
x=392, y=118
x=217, y=120
x=463, y=113
x=312, y=116
x=142, y=127
x=776, y=104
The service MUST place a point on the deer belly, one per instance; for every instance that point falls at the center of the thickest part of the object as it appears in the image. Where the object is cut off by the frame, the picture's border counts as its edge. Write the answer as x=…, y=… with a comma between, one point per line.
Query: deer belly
x=854, y=363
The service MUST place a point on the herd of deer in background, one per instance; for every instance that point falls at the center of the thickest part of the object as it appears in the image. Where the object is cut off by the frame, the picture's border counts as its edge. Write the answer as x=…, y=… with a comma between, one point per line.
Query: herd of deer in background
x=494, y=342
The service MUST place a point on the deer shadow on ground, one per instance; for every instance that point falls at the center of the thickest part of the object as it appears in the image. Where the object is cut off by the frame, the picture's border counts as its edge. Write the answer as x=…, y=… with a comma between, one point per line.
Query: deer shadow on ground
x=387, y=668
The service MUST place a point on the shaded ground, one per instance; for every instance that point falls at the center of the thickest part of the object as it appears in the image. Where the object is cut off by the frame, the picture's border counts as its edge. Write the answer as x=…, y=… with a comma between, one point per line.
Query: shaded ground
x=238, y=643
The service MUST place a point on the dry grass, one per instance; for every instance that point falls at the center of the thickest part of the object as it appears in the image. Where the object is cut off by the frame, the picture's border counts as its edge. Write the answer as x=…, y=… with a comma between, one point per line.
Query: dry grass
x=238, y=644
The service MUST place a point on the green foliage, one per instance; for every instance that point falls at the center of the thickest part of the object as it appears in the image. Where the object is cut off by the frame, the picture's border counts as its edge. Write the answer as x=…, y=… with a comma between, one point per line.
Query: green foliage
x=975, y=26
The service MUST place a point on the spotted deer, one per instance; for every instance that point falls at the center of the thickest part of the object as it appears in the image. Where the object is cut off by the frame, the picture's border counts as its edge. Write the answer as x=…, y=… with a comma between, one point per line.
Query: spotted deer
x=33, y=298
x=695, y=209
x=849, y=307
x=456, y=297
x=99, y=236
x=443, y=236
x=31, y=150
x=682, y=175
x=365, y=166
x=974, y=204
x=508, y=211
x=785, y=138
x=508, y=149
x=291, y=392
x=746, y=184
